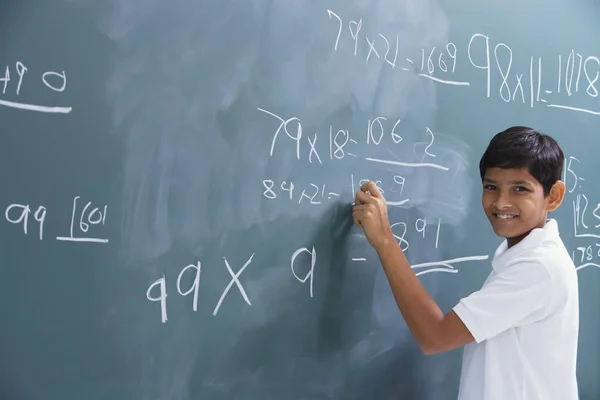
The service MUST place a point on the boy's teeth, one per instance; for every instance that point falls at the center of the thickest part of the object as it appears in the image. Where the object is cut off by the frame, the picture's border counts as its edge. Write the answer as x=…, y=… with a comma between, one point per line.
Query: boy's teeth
x=505, y=216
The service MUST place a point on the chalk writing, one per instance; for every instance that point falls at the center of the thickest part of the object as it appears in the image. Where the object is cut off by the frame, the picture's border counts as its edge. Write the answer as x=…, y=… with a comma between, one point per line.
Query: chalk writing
x=384, y=48
x=587, y=256
x=311, y=193
x=429, y=67
x=310, y=274
x=400, y=229
x=18, y=214
x=376, y=131
x=235, y=278
x=343, y=144
x=570, y=178
x=82, y=220
x=395, y=187
x=407, y=164
x=303, y=262
x=584, y=223
x=162, y=298
x=162, y=285
x=586, y=213
x=321, y=193
x=56, y=81
x=380, y=132
x=446, y=266
x=576, y=73
x=194, y=286
x=338, y=143
x=62, y=79
x=586, y=217
x=21, y=70
x=528, y=87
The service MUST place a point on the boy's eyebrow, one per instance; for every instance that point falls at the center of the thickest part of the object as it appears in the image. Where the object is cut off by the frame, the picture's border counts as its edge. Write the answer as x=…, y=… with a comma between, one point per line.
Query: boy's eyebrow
x=515, y=182
x=520, y=182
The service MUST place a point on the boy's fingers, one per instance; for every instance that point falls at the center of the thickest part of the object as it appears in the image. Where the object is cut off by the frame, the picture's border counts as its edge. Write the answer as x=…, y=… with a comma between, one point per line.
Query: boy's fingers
x=364, y=198
x=371, y=187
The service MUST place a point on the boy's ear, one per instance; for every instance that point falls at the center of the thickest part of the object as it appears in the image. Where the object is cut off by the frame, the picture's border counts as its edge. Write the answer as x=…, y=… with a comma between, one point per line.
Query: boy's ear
x=556, y=195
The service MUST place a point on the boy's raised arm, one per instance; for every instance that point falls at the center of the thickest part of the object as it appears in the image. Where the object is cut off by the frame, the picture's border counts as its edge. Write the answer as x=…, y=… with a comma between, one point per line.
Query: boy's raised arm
x=433, y=331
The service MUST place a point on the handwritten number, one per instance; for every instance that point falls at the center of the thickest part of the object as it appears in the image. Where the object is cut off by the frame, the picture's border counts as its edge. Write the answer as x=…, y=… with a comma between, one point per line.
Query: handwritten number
x=337, y=39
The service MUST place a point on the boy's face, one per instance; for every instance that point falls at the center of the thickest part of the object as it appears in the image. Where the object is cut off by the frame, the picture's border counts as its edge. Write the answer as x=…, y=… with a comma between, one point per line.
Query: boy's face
x=514, y=202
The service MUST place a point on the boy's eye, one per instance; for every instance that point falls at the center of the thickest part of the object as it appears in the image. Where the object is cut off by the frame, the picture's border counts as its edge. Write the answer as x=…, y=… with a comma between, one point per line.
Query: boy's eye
x=489, y=187
x=521, y=189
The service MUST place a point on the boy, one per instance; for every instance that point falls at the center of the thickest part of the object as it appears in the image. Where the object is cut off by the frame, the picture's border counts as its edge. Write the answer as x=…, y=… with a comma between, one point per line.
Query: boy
x=521, y=328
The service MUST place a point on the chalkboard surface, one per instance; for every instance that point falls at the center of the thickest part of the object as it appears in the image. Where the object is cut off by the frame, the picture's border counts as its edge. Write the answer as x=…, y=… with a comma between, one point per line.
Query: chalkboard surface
x=176, y=181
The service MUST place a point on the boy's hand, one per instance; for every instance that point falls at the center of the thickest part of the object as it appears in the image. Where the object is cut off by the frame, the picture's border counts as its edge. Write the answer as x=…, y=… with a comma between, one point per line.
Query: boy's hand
x=370, y=213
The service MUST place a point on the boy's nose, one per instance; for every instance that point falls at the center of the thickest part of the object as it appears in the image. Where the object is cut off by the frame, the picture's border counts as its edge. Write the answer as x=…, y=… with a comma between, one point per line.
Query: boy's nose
x=503, y=201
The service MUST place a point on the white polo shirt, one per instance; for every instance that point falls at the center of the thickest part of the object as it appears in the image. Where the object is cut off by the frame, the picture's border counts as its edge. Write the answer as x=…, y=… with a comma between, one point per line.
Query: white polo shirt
x=525, y=321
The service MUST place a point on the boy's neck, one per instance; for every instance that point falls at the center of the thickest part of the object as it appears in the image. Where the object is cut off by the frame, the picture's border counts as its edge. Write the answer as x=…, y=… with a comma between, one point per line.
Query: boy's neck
x=510, y=242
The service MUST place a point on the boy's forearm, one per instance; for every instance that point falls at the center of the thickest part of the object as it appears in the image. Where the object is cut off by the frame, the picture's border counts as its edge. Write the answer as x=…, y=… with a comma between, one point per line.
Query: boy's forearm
x=421, y=313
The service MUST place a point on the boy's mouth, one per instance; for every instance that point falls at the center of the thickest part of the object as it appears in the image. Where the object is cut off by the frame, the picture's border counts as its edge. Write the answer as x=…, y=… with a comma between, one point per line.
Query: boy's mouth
x=505, y=216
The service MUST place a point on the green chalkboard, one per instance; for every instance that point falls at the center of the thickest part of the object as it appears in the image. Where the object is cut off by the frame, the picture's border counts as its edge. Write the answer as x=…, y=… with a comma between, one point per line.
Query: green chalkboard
x=176, y=181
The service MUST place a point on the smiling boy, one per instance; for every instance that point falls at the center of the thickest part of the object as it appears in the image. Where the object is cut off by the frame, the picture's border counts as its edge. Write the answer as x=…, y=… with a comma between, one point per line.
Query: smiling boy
x=520, y=330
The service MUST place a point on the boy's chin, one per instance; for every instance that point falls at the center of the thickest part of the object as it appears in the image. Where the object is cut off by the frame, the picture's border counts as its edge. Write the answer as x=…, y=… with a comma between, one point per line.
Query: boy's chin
x=511, y=234
x=507, y=230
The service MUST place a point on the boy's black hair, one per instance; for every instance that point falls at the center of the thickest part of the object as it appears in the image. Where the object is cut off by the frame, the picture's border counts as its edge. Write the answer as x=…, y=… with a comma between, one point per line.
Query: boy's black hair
x=524, y=147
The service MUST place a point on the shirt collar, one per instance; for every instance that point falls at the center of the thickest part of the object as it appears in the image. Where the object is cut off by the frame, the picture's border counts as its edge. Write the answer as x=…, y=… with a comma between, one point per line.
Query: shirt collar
x=503, y=255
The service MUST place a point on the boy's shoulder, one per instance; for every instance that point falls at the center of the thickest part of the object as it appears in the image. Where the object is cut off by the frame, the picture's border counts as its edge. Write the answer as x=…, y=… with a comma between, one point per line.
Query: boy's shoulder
x=546, y=259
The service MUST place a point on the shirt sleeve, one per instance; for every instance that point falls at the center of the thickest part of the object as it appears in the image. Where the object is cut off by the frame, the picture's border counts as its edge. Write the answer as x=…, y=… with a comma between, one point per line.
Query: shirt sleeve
x=519, y=295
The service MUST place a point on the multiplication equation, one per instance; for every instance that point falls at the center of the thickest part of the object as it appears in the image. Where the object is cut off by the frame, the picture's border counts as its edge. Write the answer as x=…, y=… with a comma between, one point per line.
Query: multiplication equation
x=506, y=74
x=302, y=259
x=341, y=143
x=312, y=193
